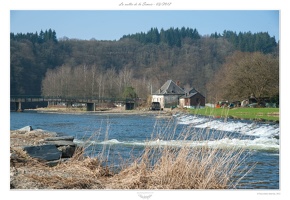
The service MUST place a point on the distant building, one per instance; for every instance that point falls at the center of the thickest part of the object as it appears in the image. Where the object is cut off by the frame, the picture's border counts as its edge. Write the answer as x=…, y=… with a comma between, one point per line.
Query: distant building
x=192, y=99
x=172, y=95
x=168, y=95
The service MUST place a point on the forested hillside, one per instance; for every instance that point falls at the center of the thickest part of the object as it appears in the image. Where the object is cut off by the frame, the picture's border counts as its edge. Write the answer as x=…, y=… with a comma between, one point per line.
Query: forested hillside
x=41, y=64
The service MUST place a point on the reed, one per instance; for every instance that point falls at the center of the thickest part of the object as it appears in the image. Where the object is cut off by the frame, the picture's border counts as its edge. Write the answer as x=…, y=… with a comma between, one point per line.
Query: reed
x=182, y=166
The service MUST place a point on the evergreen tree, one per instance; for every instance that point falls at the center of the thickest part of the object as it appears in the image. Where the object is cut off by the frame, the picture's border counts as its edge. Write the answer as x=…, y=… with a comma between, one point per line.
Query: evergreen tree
x=129, y=93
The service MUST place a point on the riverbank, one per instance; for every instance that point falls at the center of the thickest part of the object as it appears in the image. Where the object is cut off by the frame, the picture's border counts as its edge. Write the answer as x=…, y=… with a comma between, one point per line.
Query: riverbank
x=115, y=110
x=176, y=168
x=30, y=173
x=267, y=115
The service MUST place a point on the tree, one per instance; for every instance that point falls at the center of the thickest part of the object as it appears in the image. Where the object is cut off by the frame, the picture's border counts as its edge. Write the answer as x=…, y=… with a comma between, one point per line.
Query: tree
x=246, y=74
x=111, y=77
x=129, y=93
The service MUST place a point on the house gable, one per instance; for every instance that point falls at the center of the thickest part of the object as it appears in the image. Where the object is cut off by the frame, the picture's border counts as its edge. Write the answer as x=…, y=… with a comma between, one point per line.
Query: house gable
x=170, y=88
x=192, y=98
x=168, y=95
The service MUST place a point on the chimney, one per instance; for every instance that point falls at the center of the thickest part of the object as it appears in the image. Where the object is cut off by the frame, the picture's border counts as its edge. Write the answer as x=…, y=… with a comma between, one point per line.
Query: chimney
x=178, y=83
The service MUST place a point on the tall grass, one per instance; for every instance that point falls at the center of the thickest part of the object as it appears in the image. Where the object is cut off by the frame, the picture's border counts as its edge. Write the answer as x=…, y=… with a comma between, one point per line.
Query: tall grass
x=181, y=166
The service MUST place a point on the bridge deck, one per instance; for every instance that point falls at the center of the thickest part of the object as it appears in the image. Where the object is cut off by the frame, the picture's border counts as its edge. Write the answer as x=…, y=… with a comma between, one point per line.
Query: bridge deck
x=90, y=102
x=74, y=99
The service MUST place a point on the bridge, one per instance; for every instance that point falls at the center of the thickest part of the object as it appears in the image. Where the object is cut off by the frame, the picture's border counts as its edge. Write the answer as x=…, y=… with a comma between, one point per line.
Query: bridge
x=69, y=101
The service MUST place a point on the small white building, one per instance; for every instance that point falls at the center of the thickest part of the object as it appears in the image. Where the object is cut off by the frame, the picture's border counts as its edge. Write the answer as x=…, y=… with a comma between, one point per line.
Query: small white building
x=168, y=95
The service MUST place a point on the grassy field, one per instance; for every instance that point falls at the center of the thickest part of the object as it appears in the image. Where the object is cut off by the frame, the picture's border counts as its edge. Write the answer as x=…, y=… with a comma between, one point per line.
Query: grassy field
x=262, y=114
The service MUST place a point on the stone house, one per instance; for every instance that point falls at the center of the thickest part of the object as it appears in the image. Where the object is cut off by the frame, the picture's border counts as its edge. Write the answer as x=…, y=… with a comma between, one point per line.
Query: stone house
x=168, y=95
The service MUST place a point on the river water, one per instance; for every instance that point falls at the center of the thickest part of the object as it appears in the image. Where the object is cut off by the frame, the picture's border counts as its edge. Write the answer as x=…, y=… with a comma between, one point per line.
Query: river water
x=119, y=136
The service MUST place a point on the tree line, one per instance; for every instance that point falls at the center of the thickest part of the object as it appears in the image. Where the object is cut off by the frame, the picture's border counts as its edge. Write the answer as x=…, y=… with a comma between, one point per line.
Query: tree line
x=42, y=64
x=43, y=36
x=250, y=42
x=245, y=42
x=172, y=36
x=91, y=82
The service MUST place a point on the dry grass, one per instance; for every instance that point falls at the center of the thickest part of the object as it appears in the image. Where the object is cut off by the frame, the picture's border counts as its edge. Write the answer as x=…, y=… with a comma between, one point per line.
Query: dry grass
x=29, y=173
x=180, y=168
x=159, y=167
x=77, y=173
x=34, y=137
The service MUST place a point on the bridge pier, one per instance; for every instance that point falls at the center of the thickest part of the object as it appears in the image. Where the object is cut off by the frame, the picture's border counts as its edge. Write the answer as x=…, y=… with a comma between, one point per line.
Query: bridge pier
x=69, y=104
x=51, y=103
x=129, y=106
x=91, y=107
x=18, y=106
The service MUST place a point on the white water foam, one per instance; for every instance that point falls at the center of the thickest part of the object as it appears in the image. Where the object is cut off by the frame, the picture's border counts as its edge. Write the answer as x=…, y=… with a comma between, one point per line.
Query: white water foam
x=252, y=129
x=263, y=132
x=93, y=142
x=225, y=143
x=112, y=141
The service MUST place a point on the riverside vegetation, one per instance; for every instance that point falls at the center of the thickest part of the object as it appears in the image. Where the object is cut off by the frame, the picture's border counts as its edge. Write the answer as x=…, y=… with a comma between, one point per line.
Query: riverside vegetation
x=158, y=167
x=258, y=114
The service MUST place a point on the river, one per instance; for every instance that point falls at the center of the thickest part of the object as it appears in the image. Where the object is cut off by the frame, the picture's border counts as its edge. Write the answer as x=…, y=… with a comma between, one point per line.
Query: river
x=119, y=136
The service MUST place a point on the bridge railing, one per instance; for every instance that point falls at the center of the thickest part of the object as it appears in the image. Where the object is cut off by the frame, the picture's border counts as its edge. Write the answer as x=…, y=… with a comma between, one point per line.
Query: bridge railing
x=26, y=98
x=37, y=98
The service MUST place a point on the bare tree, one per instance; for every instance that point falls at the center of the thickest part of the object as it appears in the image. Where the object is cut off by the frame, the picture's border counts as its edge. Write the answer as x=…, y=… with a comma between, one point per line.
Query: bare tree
x=246, y=74
x=92, y=80
x=65, y=76
x=111, y=82
x=48, y=83
x=124, y=79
